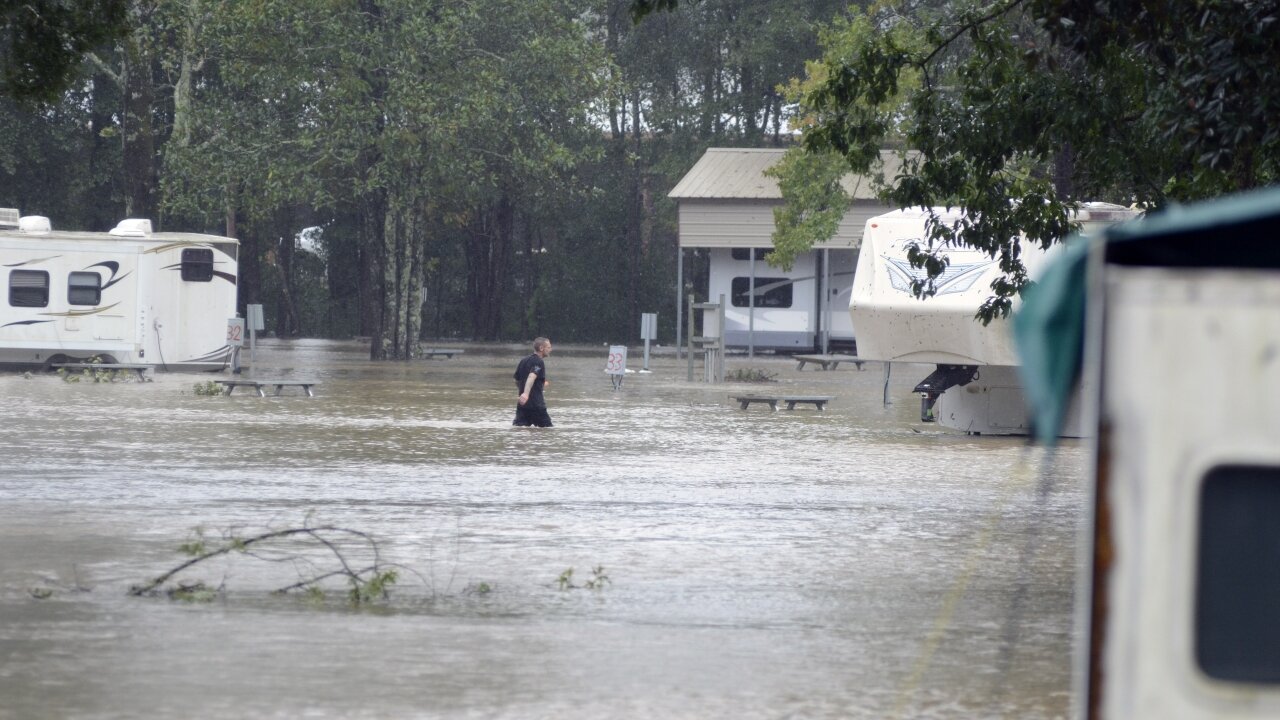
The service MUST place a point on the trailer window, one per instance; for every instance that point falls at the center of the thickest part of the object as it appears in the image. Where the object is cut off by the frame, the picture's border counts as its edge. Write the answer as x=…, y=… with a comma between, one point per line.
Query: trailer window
x=28, y=288
x=771, y=292
x=197, y=265
x=1238, y=574
x=745, y=253
x=84, y=288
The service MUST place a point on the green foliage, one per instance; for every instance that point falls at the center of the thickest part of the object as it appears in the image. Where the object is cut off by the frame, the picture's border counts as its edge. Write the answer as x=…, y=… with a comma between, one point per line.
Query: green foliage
x=750, y=375
x=208, y=387
x=815, y=203
x=481, y=169
x=1016, y=111
x=599, y=578
x=565, y=580
x=196, y=545
x=365, y=590
x=42, y=43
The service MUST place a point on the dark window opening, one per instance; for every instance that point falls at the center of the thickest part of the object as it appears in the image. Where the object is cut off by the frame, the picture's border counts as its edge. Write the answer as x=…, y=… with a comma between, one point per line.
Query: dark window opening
x=28, y=288
x=771, y=292
x=197, y=265
x=1238, y=574
x=745, y=253
x=84, y=288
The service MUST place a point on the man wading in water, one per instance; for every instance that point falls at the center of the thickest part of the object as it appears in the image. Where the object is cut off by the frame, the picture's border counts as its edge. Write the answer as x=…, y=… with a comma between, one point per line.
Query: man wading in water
x=531, y=375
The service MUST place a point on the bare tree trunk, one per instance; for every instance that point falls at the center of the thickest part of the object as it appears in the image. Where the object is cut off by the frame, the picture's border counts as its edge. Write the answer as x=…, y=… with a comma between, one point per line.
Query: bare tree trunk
x=287, y=320
x=1064, y=172
x=138, y=136
x=488, y=258
x=102, y=155
x=372, y=217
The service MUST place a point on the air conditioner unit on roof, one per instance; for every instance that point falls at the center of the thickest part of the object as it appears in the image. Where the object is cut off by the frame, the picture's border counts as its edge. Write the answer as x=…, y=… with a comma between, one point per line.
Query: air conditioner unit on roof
x=132, y=227
x=34, y=225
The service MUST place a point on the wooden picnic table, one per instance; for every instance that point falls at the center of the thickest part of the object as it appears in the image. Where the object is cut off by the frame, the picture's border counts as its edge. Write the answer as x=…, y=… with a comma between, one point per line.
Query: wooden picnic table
x=437, y=352
x=228, y=386
x=828, y=362
x=818, y=401
x=140, y=368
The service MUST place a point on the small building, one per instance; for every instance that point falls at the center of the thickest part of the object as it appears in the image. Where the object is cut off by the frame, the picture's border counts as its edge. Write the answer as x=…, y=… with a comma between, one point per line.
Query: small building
x=726, y=205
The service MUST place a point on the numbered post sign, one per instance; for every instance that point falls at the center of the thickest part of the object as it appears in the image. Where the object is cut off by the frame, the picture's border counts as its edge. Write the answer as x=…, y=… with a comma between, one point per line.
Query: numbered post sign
x=235, y=332
x=617, y=364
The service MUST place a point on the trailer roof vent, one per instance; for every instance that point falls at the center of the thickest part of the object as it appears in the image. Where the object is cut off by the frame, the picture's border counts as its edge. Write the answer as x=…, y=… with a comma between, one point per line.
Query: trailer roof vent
x=34, y=225
x=132, y=227
x=9, y=217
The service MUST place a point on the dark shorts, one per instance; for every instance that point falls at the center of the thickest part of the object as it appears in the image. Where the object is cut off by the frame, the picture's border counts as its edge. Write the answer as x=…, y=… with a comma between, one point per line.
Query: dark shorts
x=527, y=415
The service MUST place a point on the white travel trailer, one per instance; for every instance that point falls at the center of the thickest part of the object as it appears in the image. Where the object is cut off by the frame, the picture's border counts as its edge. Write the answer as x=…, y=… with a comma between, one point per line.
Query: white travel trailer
x=126, y=296
x=789, y=305
x=1179, y=594
x=975, y=385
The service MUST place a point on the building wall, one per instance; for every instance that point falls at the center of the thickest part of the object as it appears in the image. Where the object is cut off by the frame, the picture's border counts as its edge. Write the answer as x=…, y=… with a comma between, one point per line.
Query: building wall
x=749, y=223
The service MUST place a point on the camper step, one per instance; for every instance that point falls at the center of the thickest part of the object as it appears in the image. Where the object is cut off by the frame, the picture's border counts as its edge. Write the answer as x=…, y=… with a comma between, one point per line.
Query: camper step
x=139, y=368
x=228, y=386
x=447, y=353
x=828, y=362
x=818, y=401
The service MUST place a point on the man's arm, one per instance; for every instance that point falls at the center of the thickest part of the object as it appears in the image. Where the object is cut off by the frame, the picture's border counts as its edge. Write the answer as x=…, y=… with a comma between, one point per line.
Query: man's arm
x=528, y=387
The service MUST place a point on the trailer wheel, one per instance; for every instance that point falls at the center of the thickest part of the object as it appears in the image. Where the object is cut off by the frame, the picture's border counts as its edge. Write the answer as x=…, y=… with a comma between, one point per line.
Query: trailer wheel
x=55, y=360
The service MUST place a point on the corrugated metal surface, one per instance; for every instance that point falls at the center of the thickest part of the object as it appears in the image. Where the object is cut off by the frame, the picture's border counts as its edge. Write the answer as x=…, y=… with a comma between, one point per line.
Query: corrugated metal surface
x=730, y=173
x=746, y=223
x=738, y=174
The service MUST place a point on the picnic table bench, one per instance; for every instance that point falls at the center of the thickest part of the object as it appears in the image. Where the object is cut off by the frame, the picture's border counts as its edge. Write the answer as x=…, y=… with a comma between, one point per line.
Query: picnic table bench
x=818, y=401
x=228, y=386
x=437, y=352
x=828, y=362
x=140, y=368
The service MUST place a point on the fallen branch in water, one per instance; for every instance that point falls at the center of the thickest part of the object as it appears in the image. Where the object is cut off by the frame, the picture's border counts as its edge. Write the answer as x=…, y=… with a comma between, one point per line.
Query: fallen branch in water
x=367, y=581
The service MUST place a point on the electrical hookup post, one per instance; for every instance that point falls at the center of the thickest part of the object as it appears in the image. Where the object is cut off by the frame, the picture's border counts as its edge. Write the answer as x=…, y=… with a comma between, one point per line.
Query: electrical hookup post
x=648, y=331
x=254, y=321
x=616, y=367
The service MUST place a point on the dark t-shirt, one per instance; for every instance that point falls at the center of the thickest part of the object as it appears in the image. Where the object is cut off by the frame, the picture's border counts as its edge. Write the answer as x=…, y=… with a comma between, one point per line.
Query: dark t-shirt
x=532, y=364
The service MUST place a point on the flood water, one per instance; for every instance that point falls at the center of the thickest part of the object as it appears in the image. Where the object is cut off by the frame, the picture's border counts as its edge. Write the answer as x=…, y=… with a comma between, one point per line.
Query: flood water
x=847, y=564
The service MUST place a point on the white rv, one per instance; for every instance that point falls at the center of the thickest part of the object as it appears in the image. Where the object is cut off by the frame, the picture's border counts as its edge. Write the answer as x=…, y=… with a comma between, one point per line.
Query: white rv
x=788, y=310
x=974, y=386
x=126, y=296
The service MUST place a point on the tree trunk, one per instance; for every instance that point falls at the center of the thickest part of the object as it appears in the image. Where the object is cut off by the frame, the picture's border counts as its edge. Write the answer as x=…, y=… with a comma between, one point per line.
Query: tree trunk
x=372, y=220
x=288, y=323
x=138, y=133
x=488, y=259
x=103, y=157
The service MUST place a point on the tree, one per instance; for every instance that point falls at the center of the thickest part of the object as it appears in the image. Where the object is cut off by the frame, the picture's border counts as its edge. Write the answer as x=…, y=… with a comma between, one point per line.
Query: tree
x=42, y=43
x=1016, y=110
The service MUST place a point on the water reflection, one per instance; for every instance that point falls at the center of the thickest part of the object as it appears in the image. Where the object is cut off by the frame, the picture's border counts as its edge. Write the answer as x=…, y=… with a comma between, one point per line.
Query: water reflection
x=847, y=564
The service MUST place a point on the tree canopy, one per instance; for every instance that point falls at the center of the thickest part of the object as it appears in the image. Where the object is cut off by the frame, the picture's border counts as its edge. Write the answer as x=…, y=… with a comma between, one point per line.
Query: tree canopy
x=1017, y=110
x=398, y=169
x=43, y=42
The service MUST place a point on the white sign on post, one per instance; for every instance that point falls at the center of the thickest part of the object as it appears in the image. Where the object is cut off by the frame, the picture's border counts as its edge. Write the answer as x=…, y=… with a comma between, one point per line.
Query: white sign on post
x=235, y=332
x=616, y=367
